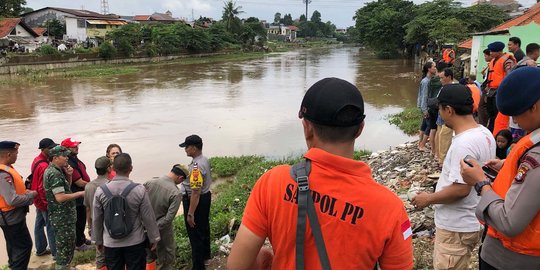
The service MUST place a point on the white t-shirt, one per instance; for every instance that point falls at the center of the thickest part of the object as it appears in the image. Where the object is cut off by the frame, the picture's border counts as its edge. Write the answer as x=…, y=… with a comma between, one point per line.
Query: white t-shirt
x=459, y=216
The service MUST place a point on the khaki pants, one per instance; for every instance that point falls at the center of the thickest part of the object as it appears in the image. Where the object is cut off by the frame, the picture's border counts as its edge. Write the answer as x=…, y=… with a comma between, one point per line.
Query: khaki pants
x=444, y=140
x=453, y=249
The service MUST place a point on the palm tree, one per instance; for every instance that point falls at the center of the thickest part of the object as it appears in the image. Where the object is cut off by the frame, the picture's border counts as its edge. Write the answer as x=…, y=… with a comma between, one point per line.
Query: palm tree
x=230, y=14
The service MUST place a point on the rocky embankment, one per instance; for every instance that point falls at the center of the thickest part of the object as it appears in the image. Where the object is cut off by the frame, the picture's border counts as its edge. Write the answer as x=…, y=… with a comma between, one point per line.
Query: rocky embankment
x=406, y=170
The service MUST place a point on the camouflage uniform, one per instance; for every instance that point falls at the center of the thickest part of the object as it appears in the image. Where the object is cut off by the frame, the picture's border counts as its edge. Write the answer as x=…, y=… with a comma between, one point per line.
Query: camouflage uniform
x=62, y=215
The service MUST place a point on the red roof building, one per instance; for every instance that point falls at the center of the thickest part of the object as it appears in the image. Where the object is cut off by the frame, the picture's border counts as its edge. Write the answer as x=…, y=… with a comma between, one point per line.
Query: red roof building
x=15, y=27
x=531, y=15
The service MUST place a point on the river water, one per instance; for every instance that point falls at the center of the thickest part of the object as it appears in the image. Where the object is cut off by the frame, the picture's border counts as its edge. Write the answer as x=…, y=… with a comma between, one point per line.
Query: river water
x=238, y=108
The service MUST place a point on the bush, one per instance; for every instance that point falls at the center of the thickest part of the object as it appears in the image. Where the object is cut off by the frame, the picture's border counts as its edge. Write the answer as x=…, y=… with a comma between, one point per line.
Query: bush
x=107, y=50
x=125, y=48
x=229, y=166
x=150, y=49
x=408, y=120
x=47, y=50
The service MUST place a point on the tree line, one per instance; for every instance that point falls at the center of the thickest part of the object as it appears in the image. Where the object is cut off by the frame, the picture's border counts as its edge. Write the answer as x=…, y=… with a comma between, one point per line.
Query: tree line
x=390, y=26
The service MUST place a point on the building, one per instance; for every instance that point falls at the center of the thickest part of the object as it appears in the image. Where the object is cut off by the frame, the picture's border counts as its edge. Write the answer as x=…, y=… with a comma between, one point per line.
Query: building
x=15, y=30
x=281, y=32
x=526, y=27
x=80, y=24
x=155, y=18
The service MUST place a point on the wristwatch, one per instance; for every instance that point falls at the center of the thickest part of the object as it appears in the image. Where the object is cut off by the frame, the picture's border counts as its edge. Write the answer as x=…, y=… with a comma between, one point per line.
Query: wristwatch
x=478, y=186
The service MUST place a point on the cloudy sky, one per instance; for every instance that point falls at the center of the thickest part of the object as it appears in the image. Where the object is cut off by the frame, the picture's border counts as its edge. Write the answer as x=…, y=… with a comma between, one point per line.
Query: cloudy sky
x=340, y=12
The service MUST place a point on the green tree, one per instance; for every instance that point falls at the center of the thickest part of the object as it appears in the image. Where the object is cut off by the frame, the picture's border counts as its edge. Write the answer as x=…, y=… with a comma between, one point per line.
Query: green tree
x=277, y=18
x=316, y=17
x=203, y=20
x=55, y=28
x=448, y=31
x=195, y=40
x=287, y=19
x=251, y=20
x=125, y=48
x=380, y=25
x=230, y=16
x=482, y=17
x=303, y=18
x=11, y=8
x=253, y=33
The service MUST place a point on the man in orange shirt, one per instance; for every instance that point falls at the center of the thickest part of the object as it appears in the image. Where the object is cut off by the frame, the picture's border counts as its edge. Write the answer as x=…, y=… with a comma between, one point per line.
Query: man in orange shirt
x=358, y=232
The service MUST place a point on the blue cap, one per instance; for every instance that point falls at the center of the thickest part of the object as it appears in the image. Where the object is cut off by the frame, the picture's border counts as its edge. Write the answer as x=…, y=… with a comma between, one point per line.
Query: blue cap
x=4, y=145
x=519, y=91
x=496, y=46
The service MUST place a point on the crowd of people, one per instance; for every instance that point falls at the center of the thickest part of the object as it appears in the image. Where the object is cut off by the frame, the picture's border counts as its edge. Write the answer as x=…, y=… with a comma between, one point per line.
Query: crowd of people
x=354, y=222
x=489, y=134
x=131, y=225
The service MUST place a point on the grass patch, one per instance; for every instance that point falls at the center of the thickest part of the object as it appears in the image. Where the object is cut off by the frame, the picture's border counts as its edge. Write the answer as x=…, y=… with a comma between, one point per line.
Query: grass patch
x=408, y=120
x=231, y=199
x=83, y=257
x=98, y=72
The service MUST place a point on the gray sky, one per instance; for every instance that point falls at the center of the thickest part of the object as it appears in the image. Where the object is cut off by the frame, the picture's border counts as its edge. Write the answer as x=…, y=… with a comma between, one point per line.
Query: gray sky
x=340, y=12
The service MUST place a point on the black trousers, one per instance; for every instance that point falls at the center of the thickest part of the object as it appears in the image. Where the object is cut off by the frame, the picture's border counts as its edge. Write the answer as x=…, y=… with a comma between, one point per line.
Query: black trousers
x=492, y=111
x=126, y=258
x=18, y=244
x=485, y=266
x=80, y=225
x=199, y=236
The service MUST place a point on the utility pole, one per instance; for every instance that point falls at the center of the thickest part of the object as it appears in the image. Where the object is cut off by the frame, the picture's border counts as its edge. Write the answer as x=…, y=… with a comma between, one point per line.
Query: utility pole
x=105, y=7
x=307, y=2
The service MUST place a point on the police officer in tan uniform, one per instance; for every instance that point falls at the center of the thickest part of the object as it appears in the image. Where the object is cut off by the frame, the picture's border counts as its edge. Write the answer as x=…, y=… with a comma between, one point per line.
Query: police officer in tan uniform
x=165, y=198
x=510, y=205
x=14, y=202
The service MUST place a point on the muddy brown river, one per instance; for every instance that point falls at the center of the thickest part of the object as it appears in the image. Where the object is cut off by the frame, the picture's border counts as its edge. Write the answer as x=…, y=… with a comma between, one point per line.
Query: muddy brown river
x=238, y=108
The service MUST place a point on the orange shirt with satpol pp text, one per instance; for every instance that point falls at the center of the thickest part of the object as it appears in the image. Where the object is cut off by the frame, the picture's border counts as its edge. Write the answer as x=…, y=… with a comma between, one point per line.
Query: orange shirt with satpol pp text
x=362, y=222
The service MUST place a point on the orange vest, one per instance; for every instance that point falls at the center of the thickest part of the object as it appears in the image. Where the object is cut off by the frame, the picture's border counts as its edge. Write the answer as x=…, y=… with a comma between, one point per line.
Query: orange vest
x=496, y=70
x=475, y=91
x=446, y=56
x=528, y=242
x=501, y=122
x=19, y=186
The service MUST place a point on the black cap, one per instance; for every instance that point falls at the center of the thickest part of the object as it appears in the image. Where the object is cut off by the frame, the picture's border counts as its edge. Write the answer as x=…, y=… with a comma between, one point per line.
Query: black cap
x=4, y=145
x=191, y=140
x=519, y=91
x=324, y=101
x=455, y=95
x=46, y=143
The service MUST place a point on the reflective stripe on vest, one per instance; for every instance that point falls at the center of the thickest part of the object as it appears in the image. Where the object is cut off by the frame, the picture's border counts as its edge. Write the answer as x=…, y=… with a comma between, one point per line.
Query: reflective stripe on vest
x=496, y=70
x=17, y=182
x=528, y=241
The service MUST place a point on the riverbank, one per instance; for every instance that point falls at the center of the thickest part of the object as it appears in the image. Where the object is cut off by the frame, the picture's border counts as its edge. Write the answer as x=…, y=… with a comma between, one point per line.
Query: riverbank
x=109, y=69
x=76, y=67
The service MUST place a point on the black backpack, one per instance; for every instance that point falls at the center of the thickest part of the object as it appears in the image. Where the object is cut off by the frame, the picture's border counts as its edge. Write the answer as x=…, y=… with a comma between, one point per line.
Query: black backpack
x=115, y=210
x=28, y=181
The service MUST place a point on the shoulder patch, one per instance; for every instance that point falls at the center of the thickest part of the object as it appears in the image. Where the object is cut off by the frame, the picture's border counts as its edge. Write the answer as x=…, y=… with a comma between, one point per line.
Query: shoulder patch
x=522, y=172
x=532, y=162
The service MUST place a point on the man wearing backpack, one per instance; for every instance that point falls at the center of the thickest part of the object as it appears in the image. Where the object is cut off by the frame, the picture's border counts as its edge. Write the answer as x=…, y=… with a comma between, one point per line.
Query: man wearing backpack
x=121, y=214
x=37, y=170
x=361, y=222
x=166, y=198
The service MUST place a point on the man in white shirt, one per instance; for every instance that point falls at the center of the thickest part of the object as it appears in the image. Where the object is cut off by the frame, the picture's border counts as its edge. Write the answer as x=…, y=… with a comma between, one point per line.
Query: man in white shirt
x=458, y=229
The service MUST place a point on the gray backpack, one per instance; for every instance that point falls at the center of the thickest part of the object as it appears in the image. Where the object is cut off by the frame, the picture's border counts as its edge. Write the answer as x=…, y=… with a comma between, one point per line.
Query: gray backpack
x=115, y=210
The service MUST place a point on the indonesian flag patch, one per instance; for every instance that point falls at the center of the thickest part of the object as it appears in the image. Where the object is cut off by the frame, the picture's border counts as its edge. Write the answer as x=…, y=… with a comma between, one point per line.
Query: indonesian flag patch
x=406, y=229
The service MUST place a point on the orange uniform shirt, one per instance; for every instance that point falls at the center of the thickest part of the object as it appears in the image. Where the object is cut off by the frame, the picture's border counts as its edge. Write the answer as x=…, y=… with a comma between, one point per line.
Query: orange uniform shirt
x=362, y=222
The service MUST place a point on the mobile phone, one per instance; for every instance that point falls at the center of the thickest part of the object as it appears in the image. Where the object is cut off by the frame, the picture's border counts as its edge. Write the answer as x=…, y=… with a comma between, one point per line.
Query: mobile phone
x=468, y=159
x=490, y=172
